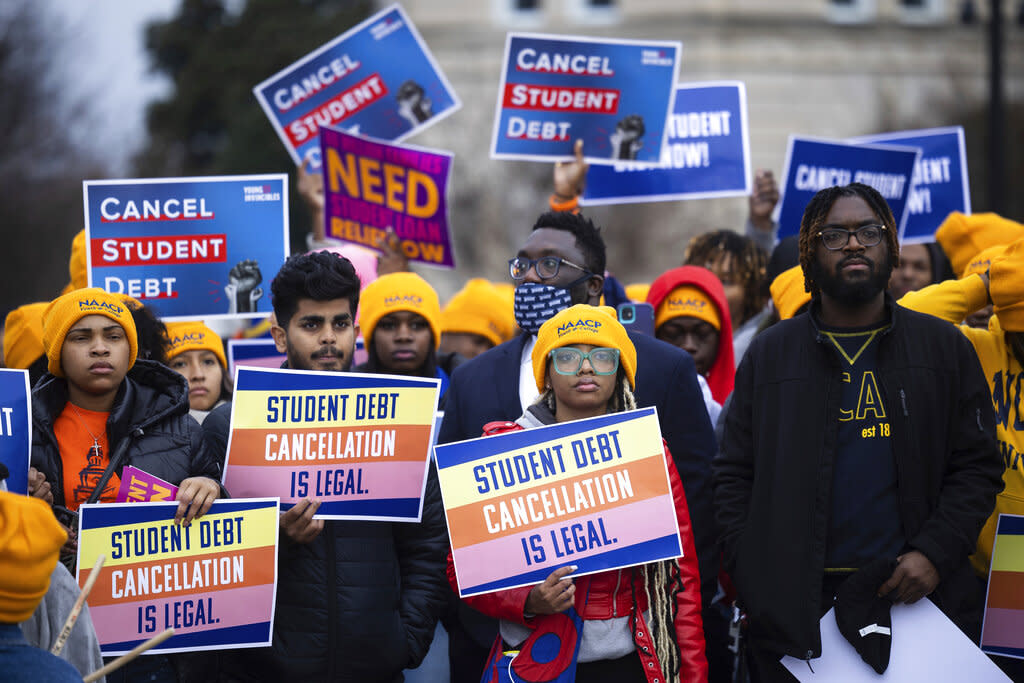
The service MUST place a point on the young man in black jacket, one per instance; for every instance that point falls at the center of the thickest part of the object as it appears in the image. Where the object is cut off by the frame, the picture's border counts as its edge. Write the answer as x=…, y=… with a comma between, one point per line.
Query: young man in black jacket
x=894, y=456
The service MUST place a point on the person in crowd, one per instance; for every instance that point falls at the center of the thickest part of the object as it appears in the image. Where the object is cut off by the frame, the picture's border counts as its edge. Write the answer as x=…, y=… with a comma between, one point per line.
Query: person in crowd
x=866, y=478
x=475, y=320
x=23, y=340
x=920, y=265
x=196, y=352
x=78, y=270
x=150, y=331
x=559, y=265
x=639, y=623
x=356, y=600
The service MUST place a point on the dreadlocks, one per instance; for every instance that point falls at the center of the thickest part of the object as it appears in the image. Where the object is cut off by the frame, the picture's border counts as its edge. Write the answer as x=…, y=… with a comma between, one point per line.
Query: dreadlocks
x=725, y=250
x=816, y=212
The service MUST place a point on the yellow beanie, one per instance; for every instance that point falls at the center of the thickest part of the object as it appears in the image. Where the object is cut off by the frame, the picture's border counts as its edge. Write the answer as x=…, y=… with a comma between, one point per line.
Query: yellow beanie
x=583, y=324
x=30, y=541
x=981, y=262
x=398, y=292
x=23, y=335
x=788, y=293
x=638, y=291
x=963, y=237
x=193, y=335
x=687, y=301
x=77, y=267
x=477, y=309
x=1006, y=287
x=67, y=309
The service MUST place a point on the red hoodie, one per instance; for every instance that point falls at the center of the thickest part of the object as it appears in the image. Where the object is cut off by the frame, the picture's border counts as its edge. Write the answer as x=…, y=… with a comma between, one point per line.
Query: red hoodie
x=723, y=371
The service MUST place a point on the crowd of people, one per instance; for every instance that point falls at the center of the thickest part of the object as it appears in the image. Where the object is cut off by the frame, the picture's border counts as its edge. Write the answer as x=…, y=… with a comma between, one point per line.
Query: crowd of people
x=840, y=417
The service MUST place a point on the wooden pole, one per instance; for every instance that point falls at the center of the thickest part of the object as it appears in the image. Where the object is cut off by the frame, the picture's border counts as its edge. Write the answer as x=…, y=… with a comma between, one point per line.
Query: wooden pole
x=125, y=658
x=69, y=624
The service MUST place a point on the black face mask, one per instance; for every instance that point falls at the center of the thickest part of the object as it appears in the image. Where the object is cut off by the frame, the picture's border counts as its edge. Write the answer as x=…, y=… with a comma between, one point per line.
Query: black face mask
x=536, y=303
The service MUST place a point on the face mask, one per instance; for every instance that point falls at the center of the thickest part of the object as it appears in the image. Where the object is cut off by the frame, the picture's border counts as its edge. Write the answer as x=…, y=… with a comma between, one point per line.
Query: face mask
x=535, y=304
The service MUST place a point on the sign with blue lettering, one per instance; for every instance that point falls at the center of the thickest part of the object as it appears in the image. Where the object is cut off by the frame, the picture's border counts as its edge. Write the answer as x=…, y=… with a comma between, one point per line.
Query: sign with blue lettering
x=940, y=184
x=814, y=164
x=15, y=427
x=376, y=79
x=707, y=155
x=189, y=247
x=615, y=95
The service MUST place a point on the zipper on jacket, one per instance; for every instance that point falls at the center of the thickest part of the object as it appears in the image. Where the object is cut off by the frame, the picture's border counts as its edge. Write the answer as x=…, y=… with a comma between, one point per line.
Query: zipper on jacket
x=615, y=602
x=332, y=602
x=903, y=402
x=977, y=416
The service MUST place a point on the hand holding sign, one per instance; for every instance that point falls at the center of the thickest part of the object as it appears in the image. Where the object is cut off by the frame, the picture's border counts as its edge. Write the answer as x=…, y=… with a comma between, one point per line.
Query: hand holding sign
x=554, y=595
x=298, y=525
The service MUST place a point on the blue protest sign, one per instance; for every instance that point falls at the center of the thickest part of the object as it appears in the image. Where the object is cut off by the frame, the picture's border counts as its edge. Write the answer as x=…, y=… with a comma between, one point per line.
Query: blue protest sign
x=615, y=95
x=15, y=427
x=707, y=154
x=190, y=247
x=812, y=165
x=376, y=79
x=940, y=184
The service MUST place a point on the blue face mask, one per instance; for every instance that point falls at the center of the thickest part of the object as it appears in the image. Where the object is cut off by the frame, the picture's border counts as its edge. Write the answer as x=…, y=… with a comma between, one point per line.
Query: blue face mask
x=536, y=303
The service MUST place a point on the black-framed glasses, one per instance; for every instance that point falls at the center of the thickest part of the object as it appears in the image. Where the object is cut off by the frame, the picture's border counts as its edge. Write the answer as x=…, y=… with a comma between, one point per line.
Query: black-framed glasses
x=545, y=266
x=837, y=238
x=568, y=360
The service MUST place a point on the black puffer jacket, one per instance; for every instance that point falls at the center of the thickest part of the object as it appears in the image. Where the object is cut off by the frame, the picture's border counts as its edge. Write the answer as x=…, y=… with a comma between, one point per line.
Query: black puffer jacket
x=149, y=427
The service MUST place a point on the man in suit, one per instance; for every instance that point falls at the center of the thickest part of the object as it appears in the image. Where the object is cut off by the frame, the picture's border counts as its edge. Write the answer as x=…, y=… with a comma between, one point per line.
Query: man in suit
x=561, y=264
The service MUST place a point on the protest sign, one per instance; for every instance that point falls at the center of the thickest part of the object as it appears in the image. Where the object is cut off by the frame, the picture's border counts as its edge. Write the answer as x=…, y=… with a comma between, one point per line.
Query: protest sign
x=213, y=581
x=594, y=493
x=615, y=95
x=377, y=79
x=139, y=486
x=359, y=443
x=15, y=427
x=190, y=247
x=370, y=186
x=940, y=184
x=1002, y=630
x=813, y=165
x=707, y=154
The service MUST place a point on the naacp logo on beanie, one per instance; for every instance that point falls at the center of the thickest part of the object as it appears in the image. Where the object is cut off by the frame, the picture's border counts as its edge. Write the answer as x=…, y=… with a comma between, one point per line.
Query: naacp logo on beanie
x=580, y=325
x=535, y=304
x=89, y=306
x=403, y=300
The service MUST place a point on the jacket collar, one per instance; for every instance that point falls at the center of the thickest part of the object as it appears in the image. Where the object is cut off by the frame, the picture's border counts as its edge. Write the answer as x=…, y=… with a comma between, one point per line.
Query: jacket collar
x=890, y=316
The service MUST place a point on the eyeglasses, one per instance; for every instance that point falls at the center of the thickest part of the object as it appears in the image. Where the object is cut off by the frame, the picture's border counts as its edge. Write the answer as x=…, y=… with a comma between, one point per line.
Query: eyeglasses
x=837, y=238
x=569, y=361
x=545, y=266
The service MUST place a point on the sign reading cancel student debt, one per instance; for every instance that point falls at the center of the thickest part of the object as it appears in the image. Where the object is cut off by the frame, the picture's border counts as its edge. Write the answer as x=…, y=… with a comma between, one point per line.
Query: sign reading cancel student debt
x=15, y=427
x=707, y=154
x=358, y=443
x=192, y=247
x=213, y=581
x=377, y=79
x=371, y=186
x=594, y=493
x=813, y=165
x=615, y=95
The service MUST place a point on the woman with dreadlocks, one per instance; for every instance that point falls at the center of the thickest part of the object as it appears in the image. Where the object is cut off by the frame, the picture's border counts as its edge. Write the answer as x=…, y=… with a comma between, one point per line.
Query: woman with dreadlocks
x=641, y=623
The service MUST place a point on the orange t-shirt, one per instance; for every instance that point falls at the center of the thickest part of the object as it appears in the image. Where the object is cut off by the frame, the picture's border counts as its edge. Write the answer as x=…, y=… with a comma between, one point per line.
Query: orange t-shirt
x=83, y=459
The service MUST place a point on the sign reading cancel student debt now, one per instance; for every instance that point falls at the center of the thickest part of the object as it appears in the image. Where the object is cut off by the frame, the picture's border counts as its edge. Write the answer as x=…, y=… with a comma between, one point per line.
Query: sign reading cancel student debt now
x=615, y=95
x=191, y=247
x=15, y=427
x=371, y=186
x=358, y=443
x=377, y=79
x=213, y=581
x=594, y=493
x=813, y=165
x=707, y=154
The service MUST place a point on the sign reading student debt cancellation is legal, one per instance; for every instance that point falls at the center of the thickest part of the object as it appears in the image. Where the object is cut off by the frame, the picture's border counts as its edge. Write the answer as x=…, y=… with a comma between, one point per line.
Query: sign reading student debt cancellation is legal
x=213, y=581
x=813, y=165
x=358, y=443
x=707, y=154
x=15, y=427
x=594, y=493
x=377, y=79
x=371, y=186
x=1002, y=630
x=190, y=247
x=615, y=95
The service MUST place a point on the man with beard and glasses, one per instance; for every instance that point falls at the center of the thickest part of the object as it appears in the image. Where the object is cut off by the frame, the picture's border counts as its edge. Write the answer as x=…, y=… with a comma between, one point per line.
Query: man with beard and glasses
x=561, y=264
x=860, y=433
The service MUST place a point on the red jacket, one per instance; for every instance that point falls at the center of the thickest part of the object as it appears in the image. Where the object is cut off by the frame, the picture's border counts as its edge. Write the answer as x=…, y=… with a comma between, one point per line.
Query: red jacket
x=609, y=594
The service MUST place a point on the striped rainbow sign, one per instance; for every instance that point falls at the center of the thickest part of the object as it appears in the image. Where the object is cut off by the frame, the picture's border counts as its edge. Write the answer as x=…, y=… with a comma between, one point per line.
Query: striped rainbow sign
x=594, y=493
x=358, y=443
x=213, y=582
x=1003, y=629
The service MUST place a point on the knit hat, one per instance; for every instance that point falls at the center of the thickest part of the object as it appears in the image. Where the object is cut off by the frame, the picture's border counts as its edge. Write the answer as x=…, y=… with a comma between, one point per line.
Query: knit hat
x=637, y=291
x=983, y=261
x=687, y=301
x=23, y=335
x=399, y=292
x=193, y=335
x=30, y=541
x=788, y=293
x=77, y=264
x=862, y=617
x=1006, y=287
x=964, y=237
x=583, y=324
x=477, y=309
x=67, y=309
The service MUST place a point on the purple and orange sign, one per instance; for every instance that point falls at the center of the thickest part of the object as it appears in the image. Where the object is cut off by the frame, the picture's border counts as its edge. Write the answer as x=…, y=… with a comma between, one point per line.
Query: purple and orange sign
x=139, y=486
